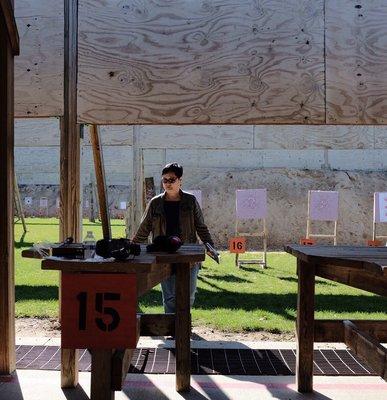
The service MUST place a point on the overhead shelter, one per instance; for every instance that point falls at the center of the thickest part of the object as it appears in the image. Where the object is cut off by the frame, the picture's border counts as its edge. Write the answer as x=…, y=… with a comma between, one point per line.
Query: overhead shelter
x=213, y=62
x=181, y=62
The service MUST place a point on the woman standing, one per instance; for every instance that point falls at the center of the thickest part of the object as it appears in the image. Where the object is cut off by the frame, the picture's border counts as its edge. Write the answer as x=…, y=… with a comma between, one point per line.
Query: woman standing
x=174, y=213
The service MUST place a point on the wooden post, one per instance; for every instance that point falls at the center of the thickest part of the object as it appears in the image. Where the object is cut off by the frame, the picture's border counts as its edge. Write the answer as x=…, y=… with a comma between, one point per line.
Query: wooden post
x=70, y=193
x=91, y=199
x=137, y=183
x=101, y=375
x=101, y=183
x=18, y=203
x=9, y=42
x=183, y=327
x=305, y=326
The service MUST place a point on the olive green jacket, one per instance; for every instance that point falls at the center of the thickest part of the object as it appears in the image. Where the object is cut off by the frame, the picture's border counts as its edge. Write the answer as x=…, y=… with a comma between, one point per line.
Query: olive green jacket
x=191, y=220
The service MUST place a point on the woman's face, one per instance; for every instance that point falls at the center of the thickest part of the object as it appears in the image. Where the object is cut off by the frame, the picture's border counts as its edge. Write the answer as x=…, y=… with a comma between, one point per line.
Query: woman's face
x=171, y=183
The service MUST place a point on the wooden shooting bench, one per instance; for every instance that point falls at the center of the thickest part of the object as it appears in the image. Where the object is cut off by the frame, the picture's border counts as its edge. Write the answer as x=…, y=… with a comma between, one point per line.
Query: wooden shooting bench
x=98, y=310
x=360, y=267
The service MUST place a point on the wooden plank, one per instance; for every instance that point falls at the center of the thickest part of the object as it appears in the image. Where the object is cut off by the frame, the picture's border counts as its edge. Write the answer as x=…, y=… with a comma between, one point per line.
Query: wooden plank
x=333, y=330
x=7, y=9
x=183, y=327
x=157, y=274
x=121, y=362
x=137, y=193
x=185, y=63
x=70, y=194
x=101, y=377
x=370, y=259
x=356, y=62
x=354, y=278
x=305, y=326
x=39, y=69
x=366, y=347
x=292, y=137
x=7, y=267
x=157, y=324
x=101, y=182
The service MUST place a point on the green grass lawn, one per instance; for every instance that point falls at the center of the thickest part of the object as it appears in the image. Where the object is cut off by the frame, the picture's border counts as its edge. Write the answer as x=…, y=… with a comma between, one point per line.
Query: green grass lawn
x=245, y=299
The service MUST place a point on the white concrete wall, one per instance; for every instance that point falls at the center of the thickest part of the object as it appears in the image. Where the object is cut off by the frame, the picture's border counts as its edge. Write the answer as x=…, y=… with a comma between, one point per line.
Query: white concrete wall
x=224, y=147
x=287, y=160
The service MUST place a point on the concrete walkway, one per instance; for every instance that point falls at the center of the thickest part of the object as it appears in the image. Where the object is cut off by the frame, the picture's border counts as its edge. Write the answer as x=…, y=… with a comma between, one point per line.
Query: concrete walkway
x=45, y=385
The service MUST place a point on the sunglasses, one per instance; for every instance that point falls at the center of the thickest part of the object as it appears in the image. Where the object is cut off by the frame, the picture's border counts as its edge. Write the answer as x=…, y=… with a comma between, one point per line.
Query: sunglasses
x=169, y=180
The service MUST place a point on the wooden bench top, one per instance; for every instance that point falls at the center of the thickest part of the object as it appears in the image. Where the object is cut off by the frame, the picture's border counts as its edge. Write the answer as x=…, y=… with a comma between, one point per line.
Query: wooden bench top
x=370, y=259
x=145, y=262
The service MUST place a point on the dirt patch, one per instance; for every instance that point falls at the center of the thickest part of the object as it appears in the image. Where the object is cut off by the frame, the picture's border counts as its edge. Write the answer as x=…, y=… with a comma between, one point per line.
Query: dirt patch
x=50, y=327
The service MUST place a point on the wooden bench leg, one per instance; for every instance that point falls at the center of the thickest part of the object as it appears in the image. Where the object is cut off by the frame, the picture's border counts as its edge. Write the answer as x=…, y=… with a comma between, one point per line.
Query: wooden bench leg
x=305, y=326
x=183, y=328
x=69, y=368
x=101, y=375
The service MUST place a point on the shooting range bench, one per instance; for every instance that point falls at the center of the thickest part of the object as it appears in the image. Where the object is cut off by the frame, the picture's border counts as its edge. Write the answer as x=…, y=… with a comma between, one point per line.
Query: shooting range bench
x=360, y=267
x=99, y=312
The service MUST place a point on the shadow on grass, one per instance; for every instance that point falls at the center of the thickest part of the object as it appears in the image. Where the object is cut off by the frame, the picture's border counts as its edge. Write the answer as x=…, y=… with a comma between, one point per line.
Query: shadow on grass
x=25, y=292
x=226, y=278
x=295, y=280
x=277, y=303
x=257, y=268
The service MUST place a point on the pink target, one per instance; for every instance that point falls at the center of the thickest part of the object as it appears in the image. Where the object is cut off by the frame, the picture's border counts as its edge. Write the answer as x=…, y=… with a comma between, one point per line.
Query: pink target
x=380, y=207
x=324, y=205
x=251, y=204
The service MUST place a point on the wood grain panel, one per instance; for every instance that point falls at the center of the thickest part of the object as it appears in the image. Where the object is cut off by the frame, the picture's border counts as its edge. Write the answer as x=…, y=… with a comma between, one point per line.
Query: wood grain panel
x=356, y=61
x=201, y=62
x=39, y=68
x=298, y=137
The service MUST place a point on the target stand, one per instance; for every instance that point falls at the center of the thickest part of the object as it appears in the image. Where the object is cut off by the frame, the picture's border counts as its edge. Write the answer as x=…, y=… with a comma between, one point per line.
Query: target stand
x=251, y=204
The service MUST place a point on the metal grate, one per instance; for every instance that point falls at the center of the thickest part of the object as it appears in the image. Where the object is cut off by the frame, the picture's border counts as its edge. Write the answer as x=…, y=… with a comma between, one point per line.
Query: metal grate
x=207, y=361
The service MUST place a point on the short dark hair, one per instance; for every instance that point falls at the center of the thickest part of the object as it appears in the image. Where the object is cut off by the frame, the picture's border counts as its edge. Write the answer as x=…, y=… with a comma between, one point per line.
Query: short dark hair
x=176, y=168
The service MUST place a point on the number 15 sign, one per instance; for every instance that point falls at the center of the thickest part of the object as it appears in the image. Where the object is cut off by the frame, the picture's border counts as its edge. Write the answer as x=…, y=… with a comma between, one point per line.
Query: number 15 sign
x=98, y=311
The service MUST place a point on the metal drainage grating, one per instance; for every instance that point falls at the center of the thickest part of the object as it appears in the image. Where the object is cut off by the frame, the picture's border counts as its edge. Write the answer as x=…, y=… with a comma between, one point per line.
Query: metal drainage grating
x=207, y=361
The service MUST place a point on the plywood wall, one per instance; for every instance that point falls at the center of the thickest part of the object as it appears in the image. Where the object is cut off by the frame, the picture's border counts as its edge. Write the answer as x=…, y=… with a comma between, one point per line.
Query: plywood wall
x=356, y=61
x=201, y=62
x=39, y=68
x=209, y=61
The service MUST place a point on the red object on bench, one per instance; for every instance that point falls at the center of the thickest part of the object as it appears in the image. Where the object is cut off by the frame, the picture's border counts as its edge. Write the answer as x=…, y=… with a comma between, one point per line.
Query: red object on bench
x=307, y=242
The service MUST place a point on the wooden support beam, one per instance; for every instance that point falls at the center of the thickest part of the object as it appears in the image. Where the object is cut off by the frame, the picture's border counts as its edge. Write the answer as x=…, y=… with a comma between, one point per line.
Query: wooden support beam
x=332, y=331
x=146, y=281
x=18, y=203
x=353, y=277
x=70, y=191
x=7, y=270
x=157, y=324
x=101, y=182
x=101, y=377
x=121, y=362
x=183, y=328
x=305, y=326
x=367, y=347
x=137, y=183
x=7, y=10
